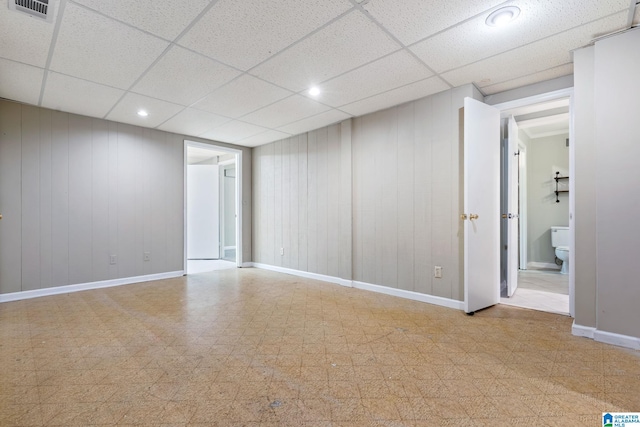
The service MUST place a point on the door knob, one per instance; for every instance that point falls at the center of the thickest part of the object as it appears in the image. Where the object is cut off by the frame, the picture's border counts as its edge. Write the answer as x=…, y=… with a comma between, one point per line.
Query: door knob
x=463, y=217
x=473, y=216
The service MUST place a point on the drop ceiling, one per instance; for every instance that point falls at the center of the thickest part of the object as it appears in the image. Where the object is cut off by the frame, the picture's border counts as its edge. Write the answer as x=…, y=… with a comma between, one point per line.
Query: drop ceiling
x=239, y=71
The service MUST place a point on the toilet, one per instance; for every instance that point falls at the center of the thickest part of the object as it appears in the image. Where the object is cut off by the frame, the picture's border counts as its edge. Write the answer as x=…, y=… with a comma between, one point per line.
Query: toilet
x=560, y=241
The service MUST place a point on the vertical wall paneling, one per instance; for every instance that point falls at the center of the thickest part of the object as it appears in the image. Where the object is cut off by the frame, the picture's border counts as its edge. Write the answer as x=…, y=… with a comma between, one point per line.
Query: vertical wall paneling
x=100, y=201
x=286, y=203
x=441, y=193
x=60, y=198
x=80, y=200
x=277, y=202
x=322, y=174
x=294, y=202
x=159, y=200
x=128, y=161
x=45, y=199
x=10, y=197
x=422, y=196
x=405, y=189
x=334, y=202
x=30, y=180
x=346, y=214
x=388, y=174
x=303, y=202
x=112, y=196
x=312, y=204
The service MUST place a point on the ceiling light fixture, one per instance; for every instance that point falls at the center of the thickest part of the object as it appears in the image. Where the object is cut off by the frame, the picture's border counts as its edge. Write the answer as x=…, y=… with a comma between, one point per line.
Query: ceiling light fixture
x=502, y=16
x=142, y=113
x=314, y=91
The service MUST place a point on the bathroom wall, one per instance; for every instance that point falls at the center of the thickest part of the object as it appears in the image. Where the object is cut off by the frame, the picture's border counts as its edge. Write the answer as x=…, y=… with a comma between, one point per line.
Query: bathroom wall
x=545, y=156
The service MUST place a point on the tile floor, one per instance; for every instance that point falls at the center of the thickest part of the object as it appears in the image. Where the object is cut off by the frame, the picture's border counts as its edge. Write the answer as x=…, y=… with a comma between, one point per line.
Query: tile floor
x=248, y=347
x=541, y=290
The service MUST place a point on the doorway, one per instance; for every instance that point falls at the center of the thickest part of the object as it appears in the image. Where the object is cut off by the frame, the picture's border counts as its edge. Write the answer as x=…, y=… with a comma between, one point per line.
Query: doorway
x=531, y=206
x=212, y=214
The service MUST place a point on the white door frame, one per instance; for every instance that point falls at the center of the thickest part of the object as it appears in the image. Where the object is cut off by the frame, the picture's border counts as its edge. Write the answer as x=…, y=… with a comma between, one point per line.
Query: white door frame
x=222, y=204
x=238, y=155
x=550, y=96
x=522, y=188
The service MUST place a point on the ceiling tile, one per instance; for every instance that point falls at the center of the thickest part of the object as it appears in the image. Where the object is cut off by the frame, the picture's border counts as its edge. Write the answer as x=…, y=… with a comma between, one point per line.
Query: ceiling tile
x=192, y=122
x=25, y=39
x=539, y=56
x=93, y=47
x=315, y=122
x=71, y=94
x=288, y=110
x=396, y=96
x=351, y=41
x=551, y=73
x=233, y=131
x=127, y=110
x=474, y=40
x=263, y=138
x=20, y=82
x=164, y=18
x=242, y=96
x=245, y=33
x=413, y=20
x=184, y=77
x=390, y=72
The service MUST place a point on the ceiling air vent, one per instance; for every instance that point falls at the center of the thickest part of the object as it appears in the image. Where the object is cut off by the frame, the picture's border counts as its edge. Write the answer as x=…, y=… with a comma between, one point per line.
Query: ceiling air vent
x=38, y=8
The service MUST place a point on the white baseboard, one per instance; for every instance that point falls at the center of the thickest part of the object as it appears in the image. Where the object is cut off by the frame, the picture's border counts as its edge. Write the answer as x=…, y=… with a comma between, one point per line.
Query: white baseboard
x=606, y=337
x=16, y=296
x=246, y=265
x=315, y=276
x=416, y=296
x=582, y=331
x=543, y=265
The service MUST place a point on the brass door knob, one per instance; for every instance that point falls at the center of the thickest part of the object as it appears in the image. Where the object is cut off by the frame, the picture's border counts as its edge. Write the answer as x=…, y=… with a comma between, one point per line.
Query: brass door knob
x=463, y=217
x=473, y=216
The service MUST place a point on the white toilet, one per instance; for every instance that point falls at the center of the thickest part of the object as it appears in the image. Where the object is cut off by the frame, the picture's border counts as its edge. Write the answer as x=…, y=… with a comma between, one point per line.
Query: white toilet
x=560, y=241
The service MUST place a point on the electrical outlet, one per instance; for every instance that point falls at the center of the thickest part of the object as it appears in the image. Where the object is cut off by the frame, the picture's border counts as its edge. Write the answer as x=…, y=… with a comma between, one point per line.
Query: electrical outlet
x=437, y=272
x=147, y=256
x=281, y=251
x=112, y=259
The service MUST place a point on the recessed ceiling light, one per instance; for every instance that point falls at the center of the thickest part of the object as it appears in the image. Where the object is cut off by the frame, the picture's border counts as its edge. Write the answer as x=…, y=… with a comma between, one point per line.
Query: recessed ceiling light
x=314, y=91
x=502, y=16
x=142, y=113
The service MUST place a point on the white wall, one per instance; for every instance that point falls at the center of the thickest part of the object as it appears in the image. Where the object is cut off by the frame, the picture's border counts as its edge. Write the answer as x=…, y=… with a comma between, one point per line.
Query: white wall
x=380, y=194
x=607, y=151
x=203, y=212
x=545, y=156
x=74, y=190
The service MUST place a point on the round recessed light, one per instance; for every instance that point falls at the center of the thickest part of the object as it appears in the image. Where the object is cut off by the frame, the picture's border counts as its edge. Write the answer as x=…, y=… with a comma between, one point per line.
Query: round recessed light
x=314, y=91
x=502, y=16
x=142, y=113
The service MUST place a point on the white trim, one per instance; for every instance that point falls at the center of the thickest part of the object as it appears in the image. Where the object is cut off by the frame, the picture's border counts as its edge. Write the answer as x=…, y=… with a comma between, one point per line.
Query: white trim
x=246, y=265
x=315, y=276
x=617, y=339
x=416, y=296
x=238, y=161
x=16, y=296
x=548, y=265
x=582, y=331
x=605, y=337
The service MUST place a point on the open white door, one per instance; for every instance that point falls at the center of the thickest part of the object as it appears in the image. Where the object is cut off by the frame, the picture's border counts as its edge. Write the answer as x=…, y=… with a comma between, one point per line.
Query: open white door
x=481, y=205
x=513, y=202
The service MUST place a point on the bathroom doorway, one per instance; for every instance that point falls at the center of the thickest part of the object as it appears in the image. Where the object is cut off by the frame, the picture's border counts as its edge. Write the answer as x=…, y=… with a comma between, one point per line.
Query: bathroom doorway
x=542, y=129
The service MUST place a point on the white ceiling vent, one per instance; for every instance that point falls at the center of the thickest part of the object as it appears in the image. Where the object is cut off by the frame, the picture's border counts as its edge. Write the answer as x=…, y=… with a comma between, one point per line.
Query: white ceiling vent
x=38, y=8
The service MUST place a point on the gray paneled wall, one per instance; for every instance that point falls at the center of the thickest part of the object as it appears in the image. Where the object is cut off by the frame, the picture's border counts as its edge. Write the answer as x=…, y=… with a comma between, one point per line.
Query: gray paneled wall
x=375, y=199
x=75, y=190
x=299, y=188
